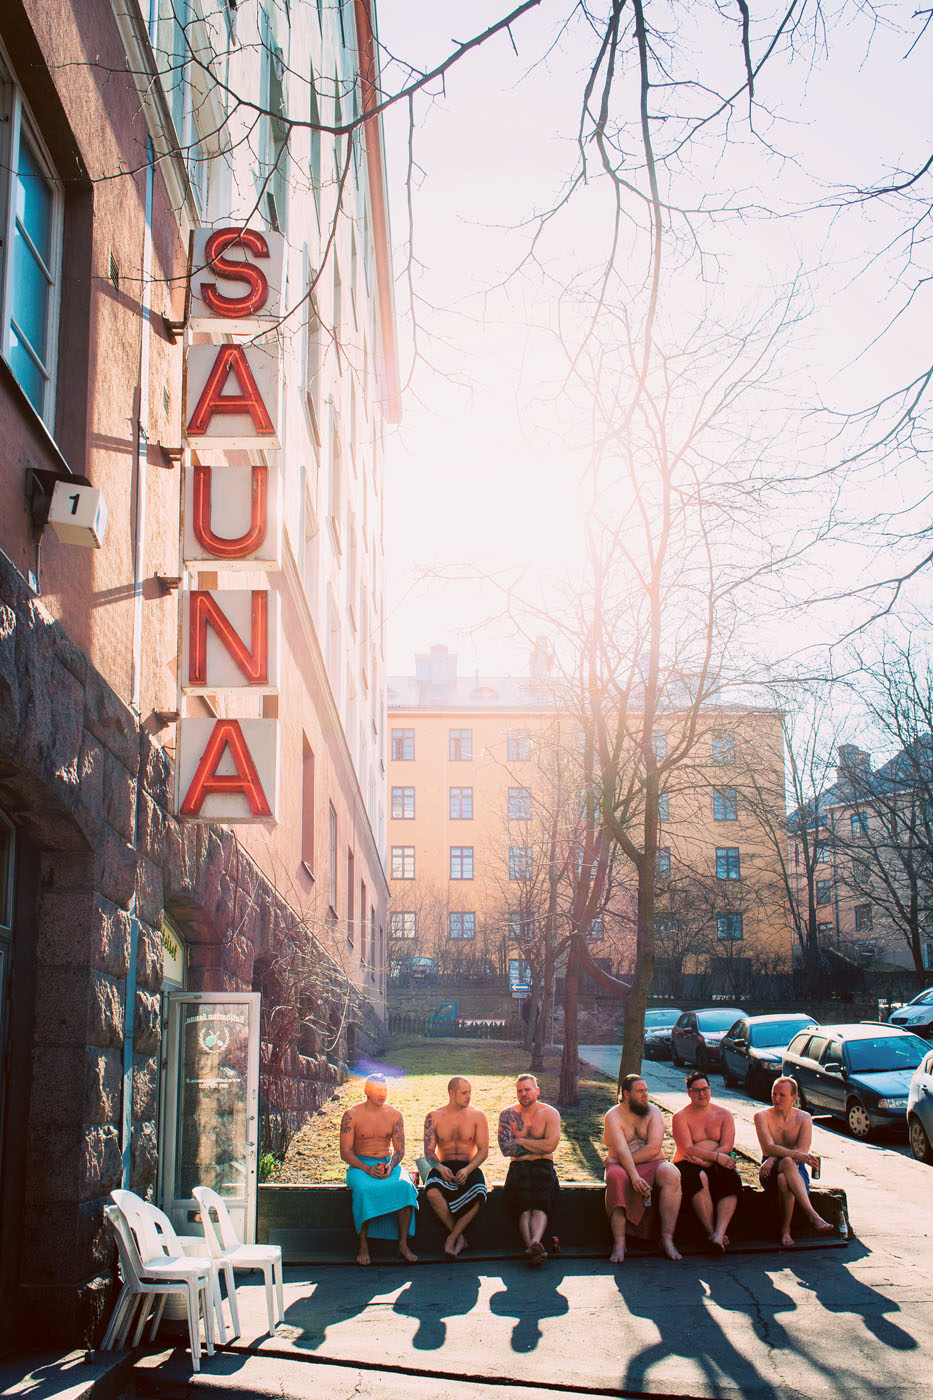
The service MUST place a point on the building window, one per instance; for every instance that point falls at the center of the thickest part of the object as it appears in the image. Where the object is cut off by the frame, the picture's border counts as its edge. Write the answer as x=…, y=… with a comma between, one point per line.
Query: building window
x=461, y=804
x=724, y=747
x=403, y=863
x=825, y=932
x=403, y=743
x=402, y=925
x=518, y=746
x=862, y=918
x=820, y=852
x=332, y=857
x=365, y=936
x=351, y=892
x=727, y=863
x=824, y=891
x=461, y=862
x=730, y=928
x=521, y=927
x=861, y=871
x=664, y=807
x=307, y=806
x=461, y=745
x=858, y=823
x=30, y=270
x=519, y=804
x=662, y=863
x=461, y=925
x=725, y=805
x=403, y=804
x=596, y=932
x=520, y=863
x=659, y=744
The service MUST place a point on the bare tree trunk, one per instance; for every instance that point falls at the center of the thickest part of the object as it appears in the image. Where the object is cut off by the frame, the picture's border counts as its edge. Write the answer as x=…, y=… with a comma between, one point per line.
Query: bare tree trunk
x=633, y=1034
x=570, y=1061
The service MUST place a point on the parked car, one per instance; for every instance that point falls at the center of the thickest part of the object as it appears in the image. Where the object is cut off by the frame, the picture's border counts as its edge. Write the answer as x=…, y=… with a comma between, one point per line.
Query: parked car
x=860, y=1073
x=920, y=1111
x=916, y=1015
x=658, y=1022
x=695, y=1035
x=752, y=1049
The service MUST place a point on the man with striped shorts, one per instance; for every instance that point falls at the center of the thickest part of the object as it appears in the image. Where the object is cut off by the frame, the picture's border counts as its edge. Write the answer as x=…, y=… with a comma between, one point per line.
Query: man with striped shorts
x=456, y=1143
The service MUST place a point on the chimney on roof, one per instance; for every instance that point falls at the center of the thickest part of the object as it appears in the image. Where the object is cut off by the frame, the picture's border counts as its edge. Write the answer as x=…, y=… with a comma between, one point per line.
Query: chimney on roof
x=437, y=670
x=852, y=763
x=542, y=658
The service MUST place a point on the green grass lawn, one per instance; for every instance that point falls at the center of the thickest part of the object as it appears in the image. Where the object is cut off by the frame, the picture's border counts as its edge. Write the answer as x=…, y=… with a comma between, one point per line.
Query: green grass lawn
x=418, y=1071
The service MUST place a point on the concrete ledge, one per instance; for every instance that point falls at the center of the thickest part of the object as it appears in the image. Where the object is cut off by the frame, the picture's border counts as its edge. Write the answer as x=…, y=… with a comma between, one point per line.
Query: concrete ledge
x=314, y=1224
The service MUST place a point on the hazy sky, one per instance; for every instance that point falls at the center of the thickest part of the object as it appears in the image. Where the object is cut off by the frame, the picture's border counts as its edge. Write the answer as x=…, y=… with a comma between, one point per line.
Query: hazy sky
x=482, y=492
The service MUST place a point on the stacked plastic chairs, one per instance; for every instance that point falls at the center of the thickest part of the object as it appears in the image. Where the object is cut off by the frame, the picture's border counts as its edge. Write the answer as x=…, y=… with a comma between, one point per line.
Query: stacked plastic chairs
x=146, y=1280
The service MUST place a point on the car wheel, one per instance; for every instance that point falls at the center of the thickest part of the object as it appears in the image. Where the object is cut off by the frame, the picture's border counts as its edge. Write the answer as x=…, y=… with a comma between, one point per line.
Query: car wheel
x=857, y=1119
x=920, y=1144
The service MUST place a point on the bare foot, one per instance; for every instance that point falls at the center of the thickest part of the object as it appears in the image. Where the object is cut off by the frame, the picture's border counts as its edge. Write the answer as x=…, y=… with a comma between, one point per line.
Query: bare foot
x=363, y=1256
x=618, y=1253
x=787, y=1240
x=536, y=1253
x=460, y=1246
x=669, y=1248
x=717, y=1243
x=821, y=1226
x=406, y=1253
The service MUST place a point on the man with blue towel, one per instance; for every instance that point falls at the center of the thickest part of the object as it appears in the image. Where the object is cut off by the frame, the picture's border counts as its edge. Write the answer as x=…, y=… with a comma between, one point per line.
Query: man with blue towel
x=372, y=1143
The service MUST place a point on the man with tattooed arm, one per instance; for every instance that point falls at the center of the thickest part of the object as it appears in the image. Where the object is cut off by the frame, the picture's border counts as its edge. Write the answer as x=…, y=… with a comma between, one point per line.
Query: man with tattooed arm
x=529, y=1132
x=456, y=1143
x=372, y=1143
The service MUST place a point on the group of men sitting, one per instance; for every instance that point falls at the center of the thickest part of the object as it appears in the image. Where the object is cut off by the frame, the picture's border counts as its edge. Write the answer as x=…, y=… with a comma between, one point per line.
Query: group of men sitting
x=456, y=1144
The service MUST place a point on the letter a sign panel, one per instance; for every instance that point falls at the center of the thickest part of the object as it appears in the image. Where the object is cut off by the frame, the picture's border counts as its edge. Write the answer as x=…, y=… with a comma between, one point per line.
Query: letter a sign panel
x=226, y=770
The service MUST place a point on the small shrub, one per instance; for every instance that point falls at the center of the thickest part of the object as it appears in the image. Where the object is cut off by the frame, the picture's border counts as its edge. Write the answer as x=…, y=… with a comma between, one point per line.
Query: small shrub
x=268, y=1166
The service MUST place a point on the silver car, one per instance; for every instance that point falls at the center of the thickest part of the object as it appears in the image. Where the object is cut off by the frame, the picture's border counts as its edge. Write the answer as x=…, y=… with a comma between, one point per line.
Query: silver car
x=920, y=1111
x=916, y=1016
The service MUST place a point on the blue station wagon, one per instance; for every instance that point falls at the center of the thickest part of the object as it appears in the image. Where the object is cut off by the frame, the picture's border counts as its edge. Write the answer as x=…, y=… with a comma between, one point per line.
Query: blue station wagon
x=860, y=1073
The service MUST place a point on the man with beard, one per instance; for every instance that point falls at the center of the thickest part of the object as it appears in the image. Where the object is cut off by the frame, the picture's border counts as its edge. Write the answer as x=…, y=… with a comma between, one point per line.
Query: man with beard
x=633, y=1132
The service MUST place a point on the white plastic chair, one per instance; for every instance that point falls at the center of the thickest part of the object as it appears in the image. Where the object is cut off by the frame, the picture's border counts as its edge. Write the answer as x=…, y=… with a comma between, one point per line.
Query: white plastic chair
x=223, y=1244
x=142, y=1283
x=159, y=1245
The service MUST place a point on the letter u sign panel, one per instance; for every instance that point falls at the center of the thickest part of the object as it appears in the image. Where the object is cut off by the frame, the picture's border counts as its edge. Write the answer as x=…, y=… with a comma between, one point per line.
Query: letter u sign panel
x=233, y=517
x=230, y=641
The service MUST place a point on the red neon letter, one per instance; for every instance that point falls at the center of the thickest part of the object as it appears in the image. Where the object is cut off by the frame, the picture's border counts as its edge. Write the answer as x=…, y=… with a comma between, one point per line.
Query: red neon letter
x=218, y=545
x=226, y=734
x=230, y=359
x=205, y=610
x=250, y=302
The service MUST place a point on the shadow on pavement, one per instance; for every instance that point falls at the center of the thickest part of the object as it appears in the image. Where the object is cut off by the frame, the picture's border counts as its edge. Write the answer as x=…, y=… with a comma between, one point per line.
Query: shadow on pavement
x=530, y=1296
x=431, y=1301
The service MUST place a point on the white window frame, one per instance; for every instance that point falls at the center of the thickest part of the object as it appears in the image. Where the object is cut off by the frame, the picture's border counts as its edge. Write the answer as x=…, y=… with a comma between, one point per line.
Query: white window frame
x=14, y=107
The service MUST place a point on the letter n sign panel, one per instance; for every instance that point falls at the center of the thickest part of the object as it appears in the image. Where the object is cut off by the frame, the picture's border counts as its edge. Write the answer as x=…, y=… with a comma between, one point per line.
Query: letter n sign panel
x=227, y=770
x=230, y=641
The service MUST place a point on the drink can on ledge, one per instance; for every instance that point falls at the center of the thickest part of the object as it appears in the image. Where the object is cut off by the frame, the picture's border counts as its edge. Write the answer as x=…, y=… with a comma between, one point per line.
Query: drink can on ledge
x=815, y=1174
x=415, y=1177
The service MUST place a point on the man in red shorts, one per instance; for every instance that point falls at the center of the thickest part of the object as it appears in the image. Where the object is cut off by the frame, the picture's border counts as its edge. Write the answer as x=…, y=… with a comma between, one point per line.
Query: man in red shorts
x=633, y=1132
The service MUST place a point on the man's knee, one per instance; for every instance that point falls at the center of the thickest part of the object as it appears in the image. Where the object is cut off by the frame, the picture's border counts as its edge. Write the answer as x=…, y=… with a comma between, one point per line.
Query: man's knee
x=669, y=1178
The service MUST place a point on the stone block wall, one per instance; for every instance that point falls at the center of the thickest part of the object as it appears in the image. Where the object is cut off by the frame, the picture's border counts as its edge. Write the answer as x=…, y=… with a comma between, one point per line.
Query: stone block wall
x=89, y=792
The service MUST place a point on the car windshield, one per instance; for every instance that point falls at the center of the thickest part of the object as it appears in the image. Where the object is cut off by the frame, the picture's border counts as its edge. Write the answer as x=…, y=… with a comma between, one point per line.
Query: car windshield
x=717, y=1020
x=923, y=999
x=653, y=1019
x=774, y=1033
x=885, y=1052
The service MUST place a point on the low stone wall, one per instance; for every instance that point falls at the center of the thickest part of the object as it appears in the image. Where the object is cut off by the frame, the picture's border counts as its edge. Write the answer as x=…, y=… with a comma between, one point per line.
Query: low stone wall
x=315, y=1224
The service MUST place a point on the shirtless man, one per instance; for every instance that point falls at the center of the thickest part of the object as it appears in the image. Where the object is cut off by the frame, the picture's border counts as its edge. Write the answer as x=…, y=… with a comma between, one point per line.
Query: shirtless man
x=633, y=1132
x=784, y=1132
x=456, y=1143
x=529, y=1132
x=372, y=1143
x=704, y=1135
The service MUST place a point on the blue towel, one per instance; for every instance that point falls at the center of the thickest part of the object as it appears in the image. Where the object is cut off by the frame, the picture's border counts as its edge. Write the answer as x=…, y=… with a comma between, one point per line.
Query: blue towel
x=377, y=1198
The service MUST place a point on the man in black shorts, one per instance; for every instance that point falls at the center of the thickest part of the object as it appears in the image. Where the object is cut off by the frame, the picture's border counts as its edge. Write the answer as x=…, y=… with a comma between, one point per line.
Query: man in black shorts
x=529, y=1132
x=704, y=1135
x=456, y=1143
